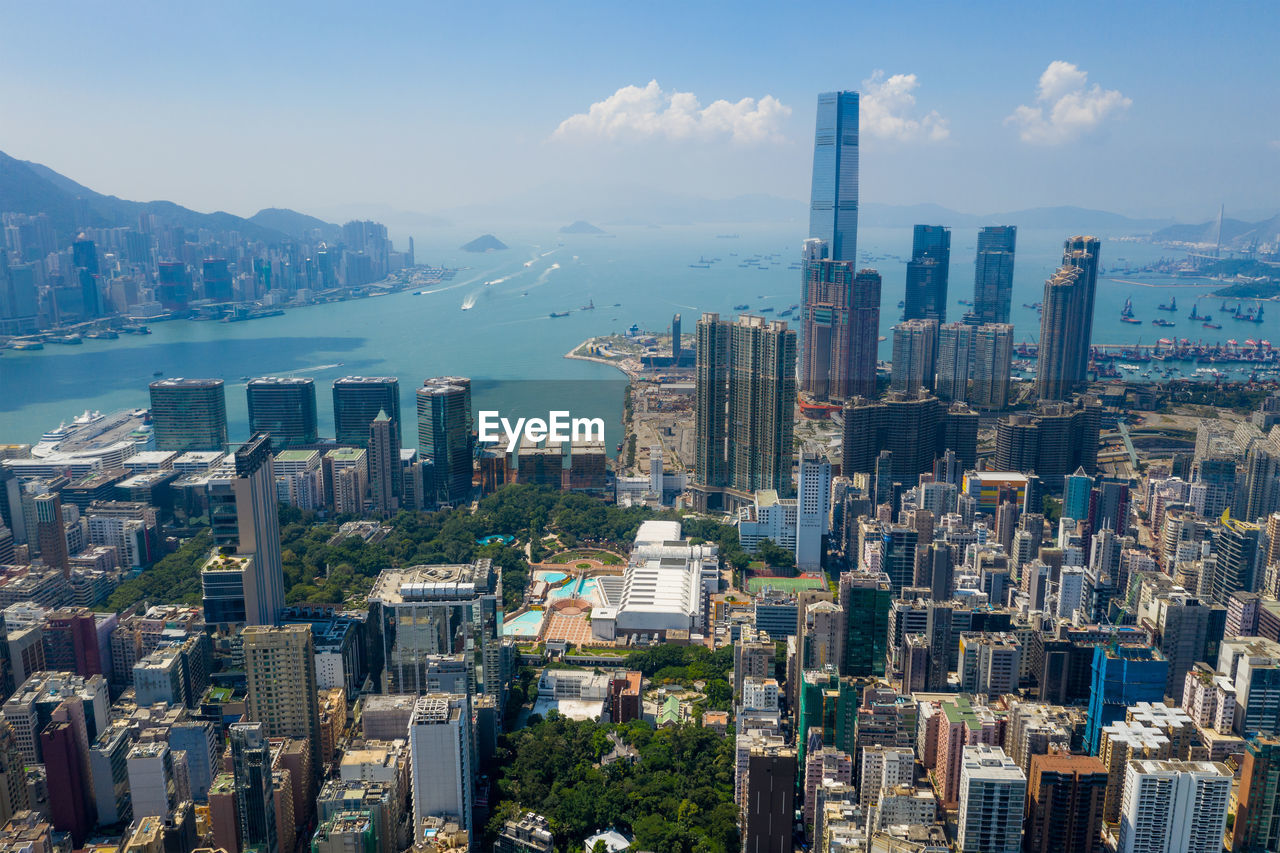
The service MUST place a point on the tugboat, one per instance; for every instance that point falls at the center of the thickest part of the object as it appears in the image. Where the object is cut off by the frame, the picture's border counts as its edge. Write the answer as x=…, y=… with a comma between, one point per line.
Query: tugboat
x=1172, y=306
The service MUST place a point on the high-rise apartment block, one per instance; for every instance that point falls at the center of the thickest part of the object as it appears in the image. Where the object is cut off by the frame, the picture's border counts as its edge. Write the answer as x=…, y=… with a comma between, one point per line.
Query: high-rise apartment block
x=189, y=414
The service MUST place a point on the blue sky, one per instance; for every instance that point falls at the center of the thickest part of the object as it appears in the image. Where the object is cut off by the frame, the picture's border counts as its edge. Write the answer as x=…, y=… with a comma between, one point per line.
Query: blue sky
x=1169, y=109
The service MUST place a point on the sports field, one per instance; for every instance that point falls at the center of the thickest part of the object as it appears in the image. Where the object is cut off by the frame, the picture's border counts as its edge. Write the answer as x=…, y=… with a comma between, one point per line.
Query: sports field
x=754, y=585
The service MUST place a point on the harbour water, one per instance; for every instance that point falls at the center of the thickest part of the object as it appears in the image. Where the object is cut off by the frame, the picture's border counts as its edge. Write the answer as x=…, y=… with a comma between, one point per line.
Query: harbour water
x=513, y=349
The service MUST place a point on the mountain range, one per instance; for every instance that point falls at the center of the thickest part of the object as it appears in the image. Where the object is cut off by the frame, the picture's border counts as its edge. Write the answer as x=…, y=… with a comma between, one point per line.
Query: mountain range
x=27, y=187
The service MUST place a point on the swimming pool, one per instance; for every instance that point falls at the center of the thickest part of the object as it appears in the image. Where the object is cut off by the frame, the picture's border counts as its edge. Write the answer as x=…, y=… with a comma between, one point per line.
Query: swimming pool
x=525, y=625
x=581, y=588
x=550, y=577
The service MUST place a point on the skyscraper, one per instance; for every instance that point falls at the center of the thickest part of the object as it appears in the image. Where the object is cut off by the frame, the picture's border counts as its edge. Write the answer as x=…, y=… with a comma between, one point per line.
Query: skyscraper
x=244, y=515
x=1257, y=826
x=955, y=352
x=993, y=274
x=745, y=402
x=284, y=407
x=927, y=274
x=768, y=798
x=1064, y=808
x=1066, y=322
x=915, y=352
x=216, y=274
x=833, y=205
x=915, y=428
x=441, y=763
x=992, y=365
x=1236, y=548
x=280, y=669
x=1173, y=807
x=254, y=792
x=357, y=401
x=51, y=533
x=865, y=598
x=189, y=414
x=813, y=507
x=384, y=464
x=444, y=436
x=993, y=789
x=841, y=322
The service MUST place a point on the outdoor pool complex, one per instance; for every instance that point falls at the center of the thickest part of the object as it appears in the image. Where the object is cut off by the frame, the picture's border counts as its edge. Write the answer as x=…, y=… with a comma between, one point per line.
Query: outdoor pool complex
x=524, y=625
x=581, y=588
x=549, y=577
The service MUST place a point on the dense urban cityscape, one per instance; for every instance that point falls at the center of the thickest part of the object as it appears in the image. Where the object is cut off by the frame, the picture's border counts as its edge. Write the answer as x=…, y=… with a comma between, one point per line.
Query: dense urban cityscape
x=994, y=593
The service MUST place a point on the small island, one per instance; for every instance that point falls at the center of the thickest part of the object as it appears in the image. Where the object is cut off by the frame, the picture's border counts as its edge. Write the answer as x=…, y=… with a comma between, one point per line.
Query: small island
x=485, y=243
x=582, y=227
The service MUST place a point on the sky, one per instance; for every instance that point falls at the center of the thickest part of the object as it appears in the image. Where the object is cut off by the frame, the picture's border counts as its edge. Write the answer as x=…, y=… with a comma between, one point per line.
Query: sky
x=1149, y=109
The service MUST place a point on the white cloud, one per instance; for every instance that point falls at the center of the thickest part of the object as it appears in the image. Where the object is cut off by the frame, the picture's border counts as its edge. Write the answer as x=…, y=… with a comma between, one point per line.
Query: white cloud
x=1067, y=106
x=885, y=109
x=651, y=112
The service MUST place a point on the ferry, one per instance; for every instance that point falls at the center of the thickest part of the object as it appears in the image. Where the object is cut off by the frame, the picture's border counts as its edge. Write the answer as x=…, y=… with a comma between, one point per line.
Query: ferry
x=27, y=345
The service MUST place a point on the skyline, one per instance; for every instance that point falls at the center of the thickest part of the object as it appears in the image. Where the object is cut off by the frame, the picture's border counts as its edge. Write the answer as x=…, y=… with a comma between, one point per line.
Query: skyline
x=338, y=117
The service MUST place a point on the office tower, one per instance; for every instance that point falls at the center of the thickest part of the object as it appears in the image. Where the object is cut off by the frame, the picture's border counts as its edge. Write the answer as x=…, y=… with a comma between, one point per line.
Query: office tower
x=813, y=508
x=955, y=352
x=441, y=763
x=746, y=391
x=993, y=274
x=865, y=599
x=384, y=465
x=285, y=408
x=1173, y=807
x=992, y=366
x=1064, y=804
x=444, y=436
x=1076, y=493
x=840, y=327
x=1236, y=547
x=280, y=669
x=915, y=352
x=173, y=287
x=1066, y=322
x=1257, y=826
x=833, y=206
x=1122, y=675
x=254, y=792
x=357, y=401
x=244, y=514
x=1260, y=495
x=927, y=274
x=13, y=783
x=915, y=429
x=769, y=799
x=424, y=612
x=993, y=790
x=1052, y=441
x=216, y=274
x=51, y=533
x=189, y=414
x=675, y=339
x=66, y=765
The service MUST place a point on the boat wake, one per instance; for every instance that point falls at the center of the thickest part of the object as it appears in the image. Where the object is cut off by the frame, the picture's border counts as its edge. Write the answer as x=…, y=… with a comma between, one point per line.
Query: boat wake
x=469, y=302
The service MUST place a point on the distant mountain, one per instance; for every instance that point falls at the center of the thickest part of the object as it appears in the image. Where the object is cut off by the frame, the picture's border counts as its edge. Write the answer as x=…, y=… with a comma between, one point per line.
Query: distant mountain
x=33, y=188
x=581, y=227
x=296, y=224
x=484, y=243
x=1076, y=220
x=1235, y=233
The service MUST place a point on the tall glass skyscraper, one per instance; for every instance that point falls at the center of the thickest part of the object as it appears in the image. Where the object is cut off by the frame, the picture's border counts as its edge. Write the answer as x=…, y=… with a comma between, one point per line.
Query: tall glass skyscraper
x=444, y=435
x=833, y=205
x=833, y=200
x=285, y=407
x=993, y=274
x=927, y=274
x=189, y=414
x=357, y=401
